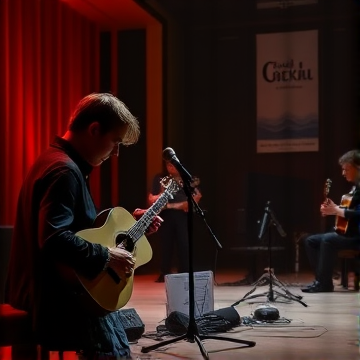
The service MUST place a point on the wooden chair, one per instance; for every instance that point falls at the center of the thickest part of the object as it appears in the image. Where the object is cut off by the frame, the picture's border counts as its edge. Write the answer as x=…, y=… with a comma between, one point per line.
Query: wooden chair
x=16, y=331
x=15, y=325
x=346, y=256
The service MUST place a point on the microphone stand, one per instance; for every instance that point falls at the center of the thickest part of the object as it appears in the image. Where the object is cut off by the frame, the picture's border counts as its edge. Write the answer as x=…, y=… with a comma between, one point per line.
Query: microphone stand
x=192, y=333
x=269, y=277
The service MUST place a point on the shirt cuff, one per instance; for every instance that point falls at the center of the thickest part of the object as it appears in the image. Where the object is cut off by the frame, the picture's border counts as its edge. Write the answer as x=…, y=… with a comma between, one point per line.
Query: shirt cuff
x=106, y=265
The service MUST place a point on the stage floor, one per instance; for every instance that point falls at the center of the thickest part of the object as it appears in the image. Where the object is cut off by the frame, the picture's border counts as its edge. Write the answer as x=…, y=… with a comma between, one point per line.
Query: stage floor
x=326, y=329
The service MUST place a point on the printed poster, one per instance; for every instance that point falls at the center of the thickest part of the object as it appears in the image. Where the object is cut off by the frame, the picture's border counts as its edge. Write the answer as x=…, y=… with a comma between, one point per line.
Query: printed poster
x=287, y=92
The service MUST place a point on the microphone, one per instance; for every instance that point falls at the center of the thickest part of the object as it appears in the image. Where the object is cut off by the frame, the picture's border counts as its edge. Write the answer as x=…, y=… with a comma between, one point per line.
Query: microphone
x=264, y=222
x=169, y=155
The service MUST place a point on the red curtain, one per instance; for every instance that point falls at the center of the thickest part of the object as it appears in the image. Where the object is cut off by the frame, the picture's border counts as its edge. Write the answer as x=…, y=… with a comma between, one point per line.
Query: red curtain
x=49, y=61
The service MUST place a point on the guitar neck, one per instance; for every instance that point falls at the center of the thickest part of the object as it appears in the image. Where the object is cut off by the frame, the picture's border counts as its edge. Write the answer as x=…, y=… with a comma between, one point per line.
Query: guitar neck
x=327, y=186
x=139, y=228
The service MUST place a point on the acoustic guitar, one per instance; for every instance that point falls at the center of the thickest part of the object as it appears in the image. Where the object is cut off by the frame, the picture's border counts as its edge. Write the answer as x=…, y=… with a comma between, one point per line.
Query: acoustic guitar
x=341, y=224
x=110, y=291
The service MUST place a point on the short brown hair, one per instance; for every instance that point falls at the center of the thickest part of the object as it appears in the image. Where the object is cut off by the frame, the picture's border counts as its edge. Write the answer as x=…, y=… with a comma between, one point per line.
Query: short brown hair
x=109, y=112
x=351, y=157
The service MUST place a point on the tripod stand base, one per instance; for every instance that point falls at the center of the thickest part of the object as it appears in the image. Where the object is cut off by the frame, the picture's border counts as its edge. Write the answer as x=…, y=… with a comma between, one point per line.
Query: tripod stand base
x=272, y=295
x=198, y=339
x=192, y=334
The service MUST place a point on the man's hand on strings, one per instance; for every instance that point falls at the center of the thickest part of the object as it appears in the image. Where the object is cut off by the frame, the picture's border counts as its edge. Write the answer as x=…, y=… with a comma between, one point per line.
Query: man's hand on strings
x=330, y=208
x=155, y=224
x=121, y=260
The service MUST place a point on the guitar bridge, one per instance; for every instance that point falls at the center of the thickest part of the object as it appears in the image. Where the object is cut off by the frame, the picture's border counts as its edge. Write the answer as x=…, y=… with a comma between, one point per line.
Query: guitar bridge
x=114, y=275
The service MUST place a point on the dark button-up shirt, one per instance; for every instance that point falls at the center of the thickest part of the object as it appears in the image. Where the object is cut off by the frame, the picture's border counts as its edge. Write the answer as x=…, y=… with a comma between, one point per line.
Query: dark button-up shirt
x=54, y=203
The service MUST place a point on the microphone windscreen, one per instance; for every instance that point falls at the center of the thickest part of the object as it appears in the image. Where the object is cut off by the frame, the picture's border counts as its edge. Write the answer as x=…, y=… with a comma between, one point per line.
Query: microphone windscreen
x=168, y=154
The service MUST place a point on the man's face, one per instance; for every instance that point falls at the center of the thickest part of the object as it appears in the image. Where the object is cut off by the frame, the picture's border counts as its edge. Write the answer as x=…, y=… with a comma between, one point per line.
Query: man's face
x=105, y=145
x=350, y=172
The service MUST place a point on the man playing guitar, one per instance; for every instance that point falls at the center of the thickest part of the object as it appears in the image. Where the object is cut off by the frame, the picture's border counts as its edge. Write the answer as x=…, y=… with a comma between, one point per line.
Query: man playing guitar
x=55, y=205
x=321, y=249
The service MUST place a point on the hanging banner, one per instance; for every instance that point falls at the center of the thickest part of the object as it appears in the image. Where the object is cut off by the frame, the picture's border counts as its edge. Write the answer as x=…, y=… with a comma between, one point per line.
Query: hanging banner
x=287, y=92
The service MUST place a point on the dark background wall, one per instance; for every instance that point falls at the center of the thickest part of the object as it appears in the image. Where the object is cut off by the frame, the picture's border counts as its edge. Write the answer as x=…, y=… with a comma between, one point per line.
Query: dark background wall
x=210, y=119
x=217, y=136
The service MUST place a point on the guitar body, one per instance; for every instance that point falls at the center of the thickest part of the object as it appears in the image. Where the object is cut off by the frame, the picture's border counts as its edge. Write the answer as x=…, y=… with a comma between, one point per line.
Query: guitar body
x=109, y=294
x=341, y=224
x=116, y=227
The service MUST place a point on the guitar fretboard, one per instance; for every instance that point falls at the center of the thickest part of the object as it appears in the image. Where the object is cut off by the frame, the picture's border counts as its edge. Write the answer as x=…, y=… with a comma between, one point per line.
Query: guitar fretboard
x=139, y=228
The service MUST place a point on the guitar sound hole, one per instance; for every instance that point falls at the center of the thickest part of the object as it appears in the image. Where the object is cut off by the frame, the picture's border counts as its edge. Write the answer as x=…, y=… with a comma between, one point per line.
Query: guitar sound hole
x=125, y=242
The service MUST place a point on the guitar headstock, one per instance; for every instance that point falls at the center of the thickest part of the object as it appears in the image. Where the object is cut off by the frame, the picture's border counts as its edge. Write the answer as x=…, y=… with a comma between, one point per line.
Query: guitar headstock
x=169, y=184
x=327, y=186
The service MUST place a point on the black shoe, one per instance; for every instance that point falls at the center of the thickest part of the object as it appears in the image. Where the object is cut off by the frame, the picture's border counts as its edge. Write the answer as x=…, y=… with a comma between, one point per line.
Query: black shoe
x=160, y=279
x=315, y=282
x=318, y=288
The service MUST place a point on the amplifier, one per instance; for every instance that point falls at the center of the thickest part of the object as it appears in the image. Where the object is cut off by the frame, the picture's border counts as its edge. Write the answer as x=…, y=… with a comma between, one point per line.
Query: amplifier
x=133, y=325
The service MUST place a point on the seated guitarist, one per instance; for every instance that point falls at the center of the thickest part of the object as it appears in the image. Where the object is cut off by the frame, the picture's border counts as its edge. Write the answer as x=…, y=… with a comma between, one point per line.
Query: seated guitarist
x=322, y=248
x=54, y=205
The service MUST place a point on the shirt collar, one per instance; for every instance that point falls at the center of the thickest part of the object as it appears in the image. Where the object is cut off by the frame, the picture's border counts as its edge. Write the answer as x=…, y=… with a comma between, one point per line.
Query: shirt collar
x=64, y=145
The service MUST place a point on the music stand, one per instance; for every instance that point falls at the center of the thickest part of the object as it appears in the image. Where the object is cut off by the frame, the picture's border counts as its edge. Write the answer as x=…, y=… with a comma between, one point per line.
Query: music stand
x=192, y=333
x=269, y=220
